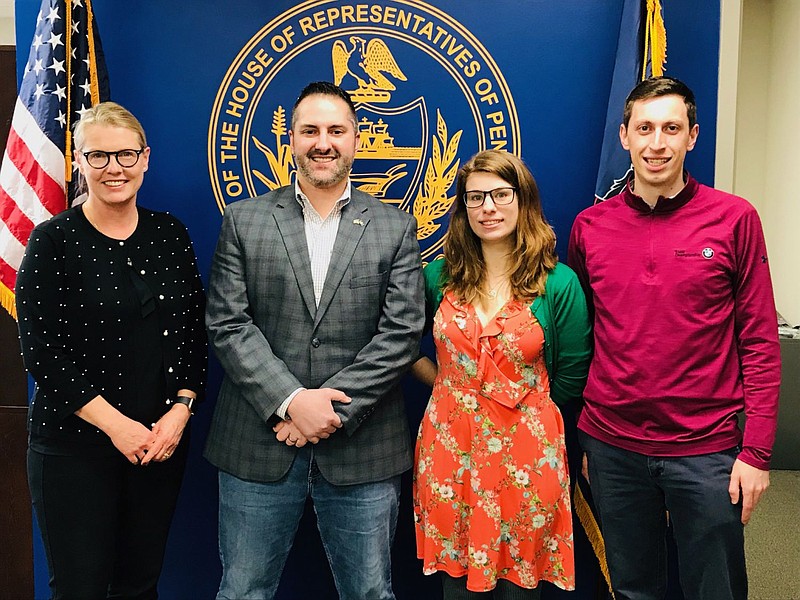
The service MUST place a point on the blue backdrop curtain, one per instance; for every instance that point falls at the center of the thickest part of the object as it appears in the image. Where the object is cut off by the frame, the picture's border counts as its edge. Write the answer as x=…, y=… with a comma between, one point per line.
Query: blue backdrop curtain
x=533, y=77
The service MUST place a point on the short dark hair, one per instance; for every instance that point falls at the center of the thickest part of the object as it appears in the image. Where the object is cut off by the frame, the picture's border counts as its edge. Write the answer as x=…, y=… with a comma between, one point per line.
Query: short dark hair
x=325, y=88
x=661, y=86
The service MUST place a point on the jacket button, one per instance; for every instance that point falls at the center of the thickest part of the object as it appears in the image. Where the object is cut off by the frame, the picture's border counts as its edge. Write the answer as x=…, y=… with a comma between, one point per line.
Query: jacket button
x=316, y=343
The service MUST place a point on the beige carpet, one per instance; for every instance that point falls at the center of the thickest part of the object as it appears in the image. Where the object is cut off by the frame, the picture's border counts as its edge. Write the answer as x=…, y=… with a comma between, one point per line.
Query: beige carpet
x=773, y=541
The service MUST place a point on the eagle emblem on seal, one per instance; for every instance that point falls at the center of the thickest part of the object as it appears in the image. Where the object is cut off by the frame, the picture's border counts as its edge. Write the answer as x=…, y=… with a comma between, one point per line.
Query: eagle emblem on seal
x=368, y=63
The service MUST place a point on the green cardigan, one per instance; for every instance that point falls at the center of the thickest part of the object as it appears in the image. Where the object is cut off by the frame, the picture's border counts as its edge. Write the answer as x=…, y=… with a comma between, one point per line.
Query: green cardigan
x=563, y=316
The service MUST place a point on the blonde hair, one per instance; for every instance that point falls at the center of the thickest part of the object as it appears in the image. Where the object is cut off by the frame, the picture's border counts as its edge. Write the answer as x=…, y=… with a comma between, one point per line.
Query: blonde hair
x=110, y=114
x=534, y=252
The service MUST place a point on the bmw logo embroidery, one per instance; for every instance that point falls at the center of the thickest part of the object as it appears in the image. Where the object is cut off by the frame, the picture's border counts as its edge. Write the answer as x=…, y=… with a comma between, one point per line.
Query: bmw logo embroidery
x=708, y=253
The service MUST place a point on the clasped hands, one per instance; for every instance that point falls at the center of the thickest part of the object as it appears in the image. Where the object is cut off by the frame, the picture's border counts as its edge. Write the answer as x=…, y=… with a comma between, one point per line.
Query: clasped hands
x=142, y=446
x=311, y=417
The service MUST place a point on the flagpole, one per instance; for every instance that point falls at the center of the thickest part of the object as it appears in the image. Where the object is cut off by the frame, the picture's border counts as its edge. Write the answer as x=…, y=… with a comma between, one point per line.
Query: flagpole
x=68, y=133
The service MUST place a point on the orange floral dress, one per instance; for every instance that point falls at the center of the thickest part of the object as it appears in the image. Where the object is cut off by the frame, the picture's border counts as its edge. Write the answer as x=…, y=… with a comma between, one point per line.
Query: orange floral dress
x=491, y=487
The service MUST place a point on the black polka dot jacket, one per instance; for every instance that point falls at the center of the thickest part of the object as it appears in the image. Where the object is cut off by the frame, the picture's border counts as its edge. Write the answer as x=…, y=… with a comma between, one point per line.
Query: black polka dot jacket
x=80, y=298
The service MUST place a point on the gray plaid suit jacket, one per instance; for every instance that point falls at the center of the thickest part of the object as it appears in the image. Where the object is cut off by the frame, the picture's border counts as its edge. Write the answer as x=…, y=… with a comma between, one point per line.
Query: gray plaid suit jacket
x=271, y=338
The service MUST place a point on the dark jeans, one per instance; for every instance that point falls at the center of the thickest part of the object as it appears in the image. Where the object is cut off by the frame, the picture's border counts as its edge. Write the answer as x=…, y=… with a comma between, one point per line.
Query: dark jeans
x=104, y=522
x=633, y=493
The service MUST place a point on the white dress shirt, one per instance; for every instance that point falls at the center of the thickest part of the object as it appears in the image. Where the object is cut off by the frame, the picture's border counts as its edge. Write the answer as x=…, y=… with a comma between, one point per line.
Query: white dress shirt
x=320, y=237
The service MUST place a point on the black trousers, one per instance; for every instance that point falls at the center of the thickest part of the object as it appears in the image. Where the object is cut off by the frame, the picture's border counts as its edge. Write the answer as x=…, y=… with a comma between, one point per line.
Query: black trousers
x=455, y=588
x=104, y=522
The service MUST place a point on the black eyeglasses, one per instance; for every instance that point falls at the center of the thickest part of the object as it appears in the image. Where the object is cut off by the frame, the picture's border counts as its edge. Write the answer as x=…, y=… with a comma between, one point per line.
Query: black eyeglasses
x=500, y=196
x=99, y=159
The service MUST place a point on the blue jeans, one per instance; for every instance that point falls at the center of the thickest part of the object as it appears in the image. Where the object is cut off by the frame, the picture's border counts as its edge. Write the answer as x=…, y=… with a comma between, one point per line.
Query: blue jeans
x=633, y=493
x=258, y=522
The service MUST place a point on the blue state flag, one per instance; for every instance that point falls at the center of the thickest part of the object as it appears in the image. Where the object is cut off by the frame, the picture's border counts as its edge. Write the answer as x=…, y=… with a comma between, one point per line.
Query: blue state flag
x=640, y=53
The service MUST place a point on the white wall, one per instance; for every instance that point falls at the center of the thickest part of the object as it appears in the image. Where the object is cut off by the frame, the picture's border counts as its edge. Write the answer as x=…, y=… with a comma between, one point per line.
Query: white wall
x=730, y=31
x=7, y=37
x=759, y=84
x=782, y=174
x=7, y=32
x=753, y=105
x=766, y=164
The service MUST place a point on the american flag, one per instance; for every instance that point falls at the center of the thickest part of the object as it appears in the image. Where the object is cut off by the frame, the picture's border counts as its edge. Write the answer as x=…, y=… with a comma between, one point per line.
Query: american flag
x=65, y=75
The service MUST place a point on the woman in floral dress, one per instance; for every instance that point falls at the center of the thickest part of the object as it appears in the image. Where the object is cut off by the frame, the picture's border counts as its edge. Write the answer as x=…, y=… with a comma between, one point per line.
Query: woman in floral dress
x=491, y=485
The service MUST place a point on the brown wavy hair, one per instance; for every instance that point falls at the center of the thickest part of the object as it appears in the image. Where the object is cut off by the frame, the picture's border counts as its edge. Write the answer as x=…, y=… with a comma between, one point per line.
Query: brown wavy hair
x=534, y=252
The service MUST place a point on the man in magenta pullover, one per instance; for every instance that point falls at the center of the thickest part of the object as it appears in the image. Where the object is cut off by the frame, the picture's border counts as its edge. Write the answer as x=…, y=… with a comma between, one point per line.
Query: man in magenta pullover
x=676, y=274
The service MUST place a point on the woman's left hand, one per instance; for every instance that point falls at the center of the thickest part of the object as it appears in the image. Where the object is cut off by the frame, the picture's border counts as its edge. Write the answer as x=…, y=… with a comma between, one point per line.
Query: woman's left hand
x=168, y=430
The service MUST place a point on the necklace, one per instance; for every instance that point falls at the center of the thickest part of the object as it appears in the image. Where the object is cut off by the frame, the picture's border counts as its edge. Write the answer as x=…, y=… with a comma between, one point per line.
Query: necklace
x=494, y=291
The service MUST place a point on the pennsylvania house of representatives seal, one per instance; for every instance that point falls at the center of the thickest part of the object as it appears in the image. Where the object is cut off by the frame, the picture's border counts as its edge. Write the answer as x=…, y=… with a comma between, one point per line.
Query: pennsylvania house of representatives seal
x=428, y=95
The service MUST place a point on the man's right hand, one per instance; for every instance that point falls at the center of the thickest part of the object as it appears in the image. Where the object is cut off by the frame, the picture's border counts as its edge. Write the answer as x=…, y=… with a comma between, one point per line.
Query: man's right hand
x=312, y=412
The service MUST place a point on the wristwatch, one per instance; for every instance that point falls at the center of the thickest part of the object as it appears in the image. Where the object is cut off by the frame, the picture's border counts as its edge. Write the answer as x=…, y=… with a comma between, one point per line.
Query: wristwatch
x=189, y=402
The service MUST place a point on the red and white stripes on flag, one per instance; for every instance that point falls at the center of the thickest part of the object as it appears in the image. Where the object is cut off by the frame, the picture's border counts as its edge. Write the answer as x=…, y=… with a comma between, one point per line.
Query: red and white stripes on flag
x=65, y=75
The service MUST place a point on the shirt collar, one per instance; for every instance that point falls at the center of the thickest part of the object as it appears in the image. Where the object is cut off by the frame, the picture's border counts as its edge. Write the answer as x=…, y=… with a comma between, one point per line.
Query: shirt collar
x=304, y=202
x=663, y=205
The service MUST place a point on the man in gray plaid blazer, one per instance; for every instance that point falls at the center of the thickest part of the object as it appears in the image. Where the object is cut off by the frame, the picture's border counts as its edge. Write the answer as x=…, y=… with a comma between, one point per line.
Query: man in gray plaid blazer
x=315, y=310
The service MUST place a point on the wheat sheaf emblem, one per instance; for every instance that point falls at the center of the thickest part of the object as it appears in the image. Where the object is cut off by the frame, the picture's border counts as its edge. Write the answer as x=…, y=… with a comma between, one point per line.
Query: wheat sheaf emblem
x=432, y=201
x=281, y=162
